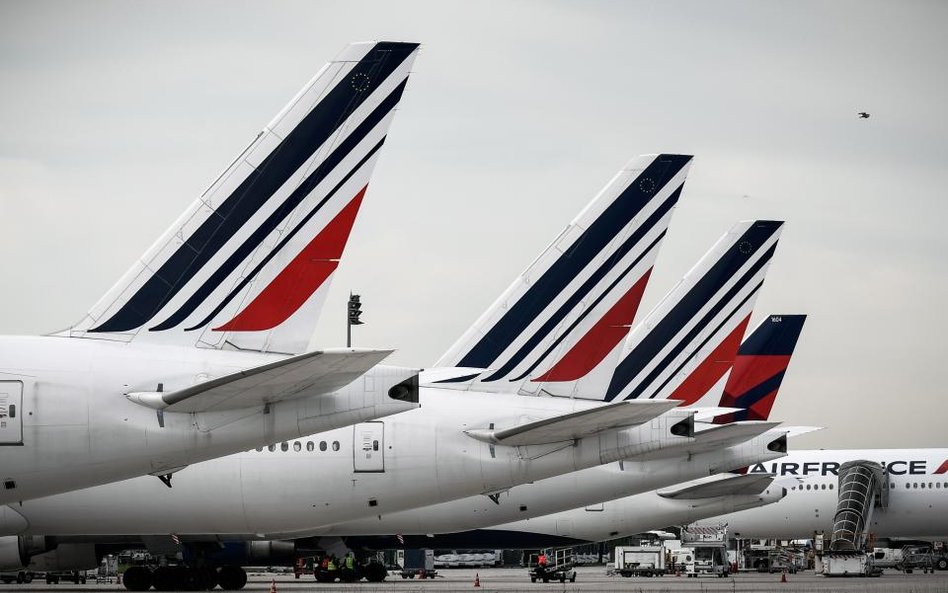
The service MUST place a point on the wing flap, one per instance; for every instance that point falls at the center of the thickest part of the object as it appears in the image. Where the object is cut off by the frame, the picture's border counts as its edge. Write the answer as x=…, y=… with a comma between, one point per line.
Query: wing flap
x=575, y=425
x=728, y=485
x=305, y=375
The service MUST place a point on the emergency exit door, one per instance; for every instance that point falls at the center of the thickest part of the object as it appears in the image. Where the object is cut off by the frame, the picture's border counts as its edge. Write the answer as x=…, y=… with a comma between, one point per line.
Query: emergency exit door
x=369, y=447
x=11, y=416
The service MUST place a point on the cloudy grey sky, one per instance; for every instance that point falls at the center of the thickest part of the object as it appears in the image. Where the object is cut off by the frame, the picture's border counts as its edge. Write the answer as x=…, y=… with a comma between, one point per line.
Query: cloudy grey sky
x=115, y=115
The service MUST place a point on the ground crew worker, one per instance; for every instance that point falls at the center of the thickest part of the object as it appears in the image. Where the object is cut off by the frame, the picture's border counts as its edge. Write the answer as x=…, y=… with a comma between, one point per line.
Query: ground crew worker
x=541, y=561
x=350, y=561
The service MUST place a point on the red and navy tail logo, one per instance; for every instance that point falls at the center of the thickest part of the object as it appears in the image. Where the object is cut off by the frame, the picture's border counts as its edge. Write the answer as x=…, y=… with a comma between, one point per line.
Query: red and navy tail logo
x=759, y=368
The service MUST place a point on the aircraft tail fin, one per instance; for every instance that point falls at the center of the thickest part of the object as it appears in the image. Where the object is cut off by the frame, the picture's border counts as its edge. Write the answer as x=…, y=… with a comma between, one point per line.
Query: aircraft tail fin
x=759, y=368
x=248, y=264
x=688, y=341
x=569, y=311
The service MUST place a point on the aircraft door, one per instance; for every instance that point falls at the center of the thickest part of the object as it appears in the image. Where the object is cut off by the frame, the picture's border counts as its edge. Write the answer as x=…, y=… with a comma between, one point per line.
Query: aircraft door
x=368, y=447
x=11, y=416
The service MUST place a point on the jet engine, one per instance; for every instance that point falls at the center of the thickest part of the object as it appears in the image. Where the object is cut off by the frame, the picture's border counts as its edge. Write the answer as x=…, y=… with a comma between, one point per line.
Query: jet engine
x=16, y=550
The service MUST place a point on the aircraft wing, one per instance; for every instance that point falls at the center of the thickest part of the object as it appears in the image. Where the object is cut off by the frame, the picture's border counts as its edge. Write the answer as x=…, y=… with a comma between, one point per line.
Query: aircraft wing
x=304, y=375
x=576, y=425
x=730, y=485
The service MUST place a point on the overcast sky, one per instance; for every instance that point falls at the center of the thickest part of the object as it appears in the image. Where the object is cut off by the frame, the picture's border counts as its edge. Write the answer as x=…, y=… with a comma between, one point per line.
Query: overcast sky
x=115, y=115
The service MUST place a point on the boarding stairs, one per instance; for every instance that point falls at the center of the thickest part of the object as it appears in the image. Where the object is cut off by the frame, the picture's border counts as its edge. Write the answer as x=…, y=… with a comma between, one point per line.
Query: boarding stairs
x=862, y=487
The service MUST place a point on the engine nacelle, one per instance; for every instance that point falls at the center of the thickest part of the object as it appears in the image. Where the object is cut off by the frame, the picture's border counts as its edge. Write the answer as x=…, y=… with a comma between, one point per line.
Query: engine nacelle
x=16, y=550
x=66, y=557
x=272, y=553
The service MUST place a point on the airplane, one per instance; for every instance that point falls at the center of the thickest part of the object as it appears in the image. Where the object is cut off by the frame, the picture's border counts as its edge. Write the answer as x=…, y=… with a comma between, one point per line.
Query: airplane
x=459, y=442
x=729, y=300
x=759, y=367
x=199, y=350
x=915, y=486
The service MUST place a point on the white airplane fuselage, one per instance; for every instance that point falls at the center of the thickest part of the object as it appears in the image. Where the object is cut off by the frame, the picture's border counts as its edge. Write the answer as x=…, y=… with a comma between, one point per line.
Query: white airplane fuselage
x=72, y=426
x=535, y=500
x=416, y=458
x=917, y=496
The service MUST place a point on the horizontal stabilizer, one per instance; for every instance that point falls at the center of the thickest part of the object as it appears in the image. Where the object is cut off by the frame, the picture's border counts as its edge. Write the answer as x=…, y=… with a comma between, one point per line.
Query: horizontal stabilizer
x=576, y=425
x=795, y=431
x=707, y=413
x=712, y=439
x=724, y=485
x=305, y=375
x=451, y=375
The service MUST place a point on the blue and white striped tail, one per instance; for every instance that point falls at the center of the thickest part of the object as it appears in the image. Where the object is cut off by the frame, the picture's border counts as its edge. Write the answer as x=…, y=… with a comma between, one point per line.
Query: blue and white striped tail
x=567, y=314
x=249, y=263
x=707, y=307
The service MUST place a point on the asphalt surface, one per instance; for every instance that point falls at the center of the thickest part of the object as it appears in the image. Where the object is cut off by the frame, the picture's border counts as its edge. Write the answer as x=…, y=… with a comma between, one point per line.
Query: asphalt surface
x=588, y=579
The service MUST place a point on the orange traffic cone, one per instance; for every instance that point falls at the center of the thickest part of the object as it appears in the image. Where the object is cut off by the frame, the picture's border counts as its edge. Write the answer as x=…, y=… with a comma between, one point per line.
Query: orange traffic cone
x=783, y=577
x=477, y=580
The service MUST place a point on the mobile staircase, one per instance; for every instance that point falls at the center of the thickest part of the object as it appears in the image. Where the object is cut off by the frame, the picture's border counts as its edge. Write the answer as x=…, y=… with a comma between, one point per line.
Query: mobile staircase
x=862, y=488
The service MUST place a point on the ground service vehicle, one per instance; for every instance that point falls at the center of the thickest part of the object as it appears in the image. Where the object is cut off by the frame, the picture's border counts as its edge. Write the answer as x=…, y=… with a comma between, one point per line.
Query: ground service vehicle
x=640, y=561
x=417, y=563
x=559, y=567
x=710, y=550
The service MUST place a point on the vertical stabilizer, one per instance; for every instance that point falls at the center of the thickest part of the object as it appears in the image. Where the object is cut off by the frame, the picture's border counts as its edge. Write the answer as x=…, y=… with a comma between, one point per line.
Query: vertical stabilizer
x=759, y=369
x=568, y=313
x=687, y=342
x=249, y=263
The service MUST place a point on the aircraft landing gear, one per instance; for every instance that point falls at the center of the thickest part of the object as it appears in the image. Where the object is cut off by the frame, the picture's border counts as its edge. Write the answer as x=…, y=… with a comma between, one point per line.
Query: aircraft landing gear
x=184, y=578
x=231, y=578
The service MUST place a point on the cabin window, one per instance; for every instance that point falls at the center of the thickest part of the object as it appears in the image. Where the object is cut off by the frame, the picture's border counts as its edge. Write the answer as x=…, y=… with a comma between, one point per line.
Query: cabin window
x=297, y=446
x=310, y=446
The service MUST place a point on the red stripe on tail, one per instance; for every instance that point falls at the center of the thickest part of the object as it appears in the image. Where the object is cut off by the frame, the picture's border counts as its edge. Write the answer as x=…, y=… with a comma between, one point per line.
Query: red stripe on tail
x=600, y=339
x=712, y=368
x=301, y=278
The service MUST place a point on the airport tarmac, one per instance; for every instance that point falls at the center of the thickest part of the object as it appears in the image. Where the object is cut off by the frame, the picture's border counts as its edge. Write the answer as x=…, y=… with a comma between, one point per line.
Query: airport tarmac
x=588, y=579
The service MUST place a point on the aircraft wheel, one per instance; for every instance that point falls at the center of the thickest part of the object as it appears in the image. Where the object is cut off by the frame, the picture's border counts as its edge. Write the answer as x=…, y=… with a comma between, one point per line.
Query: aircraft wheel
x=231, y=578
x=137, y=578
x=942, y=564
x=374, y=572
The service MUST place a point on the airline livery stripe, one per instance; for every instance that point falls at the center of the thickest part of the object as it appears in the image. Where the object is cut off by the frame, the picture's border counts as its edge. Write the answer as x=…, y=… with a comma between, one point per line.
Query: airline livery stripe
x=594, y=279
x=752, y=396
x=592, y=307
x=563, y=271
x=286, y=239
x=301, y=278
x=601, y=338
x=211, y=236
x=710, y=283
x=292, y=201
x=710, y=370
x=775, y=337
x=693, y=334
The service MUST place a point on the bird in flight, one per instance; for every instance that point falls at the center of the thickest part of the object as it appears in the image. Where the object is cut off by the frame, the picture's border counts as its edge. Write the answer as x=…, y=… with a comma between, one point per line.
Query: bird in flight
x=863, y=115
